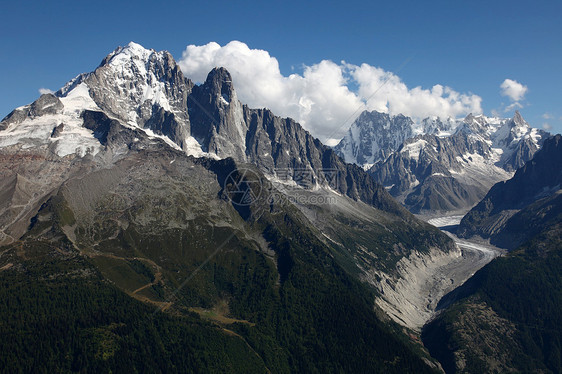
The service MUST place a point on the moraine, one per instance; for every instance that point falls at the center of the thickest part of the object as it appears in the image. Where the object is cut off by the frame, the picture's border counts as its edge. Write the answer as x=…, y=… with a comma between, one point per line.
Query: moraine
x=412, y=298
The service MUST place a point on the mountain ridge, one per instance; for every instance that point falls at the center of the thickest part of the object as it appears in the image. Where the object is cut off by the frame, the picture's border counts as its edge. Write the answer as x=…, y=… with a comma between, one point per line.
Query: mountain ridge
x=441, y=166
x=533, y=187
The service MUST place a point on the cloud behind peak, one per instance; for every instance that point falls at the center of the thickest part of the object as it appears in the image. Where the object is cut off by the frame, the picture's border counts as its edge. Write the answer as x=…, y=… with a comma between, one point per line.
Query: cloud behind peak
x=327, y=96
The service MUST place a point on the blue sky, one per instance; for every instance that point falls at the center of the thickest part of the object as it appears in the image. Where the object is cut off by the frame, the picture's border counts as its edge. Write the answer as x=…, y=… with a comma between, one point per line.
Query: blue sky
x=471, y=47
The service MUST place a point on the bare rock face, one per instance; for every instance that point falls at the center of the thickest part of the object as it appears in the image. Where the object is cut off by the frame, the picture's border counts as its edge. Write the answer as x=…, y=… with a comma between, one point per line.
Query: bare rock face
x=57, y=131
x=46, y=104
x=217, y=116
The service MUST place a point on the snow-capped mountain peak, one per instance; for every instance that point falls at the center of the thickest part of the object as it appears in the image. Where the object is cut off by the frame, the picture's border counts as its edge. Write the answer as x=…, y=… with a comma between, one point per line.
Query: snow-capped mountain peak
x=479, y=125
x=373, y=136
x=133, y=51
x=133, y=83
x=137, y=80
x=436, y=125
x=139, y=88
x=432, y=172
x=511, y=131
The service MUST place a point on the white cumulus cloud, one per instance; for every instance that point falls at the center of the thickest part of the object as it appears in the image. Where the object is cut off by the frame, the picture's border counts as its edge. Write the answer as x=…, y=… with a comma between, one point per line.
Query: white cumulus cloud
x=385, y=91
x=327, y=96
x=43, y=91
x=513, y=89
x=513, y=106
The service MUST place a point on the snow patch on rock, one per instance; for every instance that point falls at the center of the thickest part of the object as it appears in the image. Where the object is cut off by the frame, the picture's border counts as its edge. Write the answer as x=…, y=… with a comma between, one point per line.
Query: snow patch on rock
x=72, y=139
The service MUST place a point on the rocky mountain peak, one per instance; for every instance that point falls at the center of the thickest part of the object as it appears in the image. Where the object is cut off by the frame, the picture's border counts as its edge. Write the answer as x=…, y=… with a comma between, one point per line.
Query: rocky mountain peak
x=436, y=125
x=132, y=58
x=518, y=119
x=142, y=88
x=45, y=104
x=219, y=82
x=133, y=51
x=516, y=126
x=477, y=125
x=373, y=116
x=373, y=136
x=518, y=140
x=469, y=118
x=217, y=119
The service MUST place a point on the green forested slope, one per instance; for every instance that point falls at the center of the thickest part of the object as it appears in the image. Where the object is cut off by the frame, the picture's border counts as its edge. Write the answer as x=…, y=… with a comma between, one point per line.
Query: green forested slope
x=270, y=295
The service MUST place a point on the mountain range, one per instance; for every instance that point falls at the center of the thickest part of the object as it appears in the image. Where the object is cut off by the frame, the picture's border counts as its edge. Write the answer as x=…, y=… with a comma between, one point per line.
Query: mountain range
x=211, y=223
x=439, y=166
x=151, y=224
